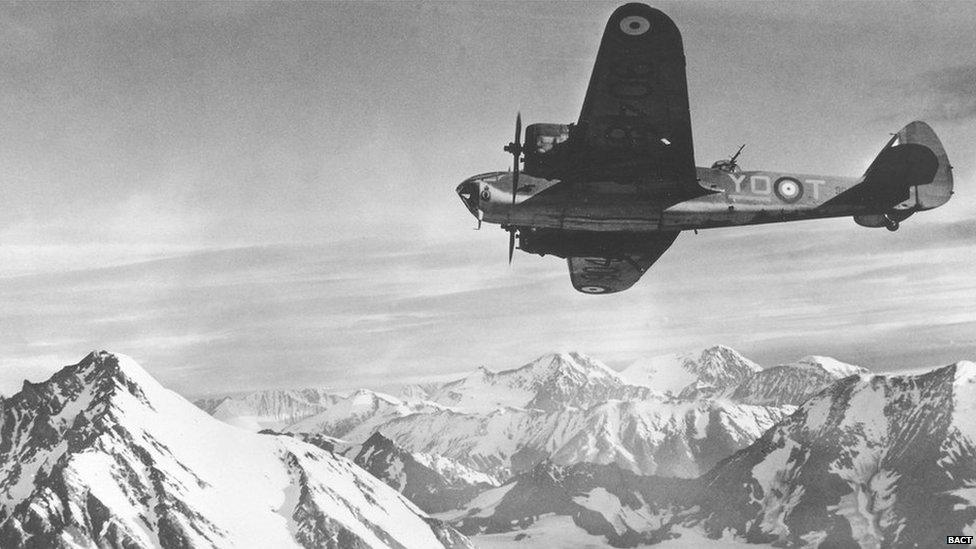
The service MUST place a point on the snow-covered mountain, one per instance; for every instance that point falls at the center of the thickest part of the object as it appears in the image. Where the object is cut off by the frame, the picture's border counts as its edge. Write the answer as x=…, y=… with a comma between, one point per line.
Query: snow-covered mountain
x=102, y=455
x=875, y=460
x=358, y=415
x=563, y=407
x=569, y=408
x=653, y=436
x=551, y=382
x=270, y=409
x=872, y=461
x=792, y=384
x=705, y=371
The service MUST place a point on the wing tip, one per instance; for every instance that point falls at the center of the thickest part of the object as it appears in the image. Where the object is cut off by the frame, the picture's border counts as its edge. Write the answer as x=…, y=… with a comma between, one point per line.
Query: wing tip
x=633, y=12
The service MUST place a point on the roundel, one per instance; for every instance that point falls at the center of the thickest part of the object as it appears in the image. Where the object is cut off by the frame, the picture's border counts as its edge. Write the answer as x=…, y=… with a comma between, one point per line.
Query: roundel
x=486, y=194
x=788, y=189
x=593, y=289
x=634, y=25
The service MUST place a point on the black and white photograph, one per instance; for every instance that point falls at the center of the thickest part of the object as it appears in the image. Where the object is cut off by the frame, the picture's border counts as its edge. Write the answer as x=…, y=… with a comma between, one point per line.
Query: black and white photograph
x=487, y=274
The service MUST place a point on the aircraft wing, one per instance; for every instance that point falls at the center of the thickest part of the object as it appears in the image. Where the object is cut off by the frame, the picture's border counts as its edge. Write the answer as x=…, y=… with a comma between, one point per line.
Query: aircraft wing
x=635, y=116
x=607, y=275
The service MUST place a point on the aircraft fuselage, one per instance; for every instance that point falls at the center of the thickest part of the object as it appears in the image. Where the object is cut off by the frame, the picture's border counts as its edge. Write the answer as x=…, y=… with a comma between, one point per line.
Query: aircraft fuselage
x=727, y=199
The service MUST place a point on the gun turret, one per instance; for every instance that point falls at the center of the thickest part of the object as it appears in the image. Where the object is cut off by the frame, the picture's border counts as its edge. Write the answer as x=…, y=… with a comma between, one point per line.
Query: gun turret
x=729, y=165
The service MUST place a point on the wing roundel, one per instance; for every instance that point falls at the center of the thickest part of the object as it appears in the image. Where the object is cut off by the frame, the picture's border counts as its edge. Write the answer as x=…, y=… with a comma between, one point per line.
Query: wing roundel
x=635, y=114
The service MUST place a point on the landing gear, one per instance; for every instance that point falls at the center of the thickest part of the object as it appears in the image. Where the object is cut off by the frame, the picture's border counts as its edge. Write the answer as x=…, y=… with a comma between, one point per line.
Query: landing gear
x=890, y=224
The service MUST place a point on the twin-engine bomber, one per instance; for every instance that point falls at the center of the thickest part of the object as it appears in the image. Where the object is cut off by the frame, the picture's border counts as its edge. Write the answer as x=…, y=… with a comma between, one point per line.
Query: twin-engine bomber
x=611, y=192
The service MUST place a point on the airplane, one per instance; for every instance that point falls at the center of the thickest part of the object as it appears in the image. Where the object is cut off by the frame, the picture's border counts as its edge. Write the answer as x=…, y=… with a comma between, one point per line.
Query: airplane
x=611, y=192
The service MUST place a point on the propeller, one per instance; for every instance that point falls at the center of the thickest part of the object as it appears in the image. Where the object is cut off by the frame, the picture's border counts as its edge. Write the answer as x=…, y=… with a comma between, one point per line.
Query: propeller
x=515, y=148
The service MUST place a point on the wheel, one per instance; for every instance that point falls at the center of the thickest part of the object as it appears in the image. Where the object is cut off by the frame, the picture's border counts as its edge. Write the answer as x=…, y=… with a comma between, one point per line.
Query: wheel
x=891, y=224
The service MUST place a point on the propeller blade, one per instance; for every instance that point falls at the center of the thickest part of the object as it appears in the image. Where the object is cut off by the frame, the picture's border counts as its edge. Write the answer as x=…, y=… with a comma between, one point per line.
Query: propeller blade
x=511, y=244
x=518, y=126
x=517, y=153
x=515, y=147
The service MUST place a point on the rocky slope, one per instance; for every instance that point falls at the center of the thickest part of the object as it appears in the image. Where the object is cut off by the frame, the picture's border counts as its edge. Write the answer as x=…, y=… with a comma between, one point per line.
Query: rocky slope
x=434, y=483
x=102, y=455
x=874, y=460
x=792, y=384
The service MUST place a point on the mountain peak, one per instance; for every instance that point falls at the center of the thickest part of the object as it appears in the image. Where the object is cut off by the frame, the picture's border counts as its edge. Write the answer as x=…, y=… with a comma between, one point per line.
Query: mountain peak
x=99, y=378
x=568, y=361
x=549, y=382
x=713, y=368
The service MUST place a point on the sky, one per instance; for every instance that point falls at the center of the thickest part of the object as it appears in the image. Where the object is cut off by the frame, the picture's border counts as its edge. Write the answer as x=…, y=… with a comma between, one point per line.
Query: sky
x=256, y=195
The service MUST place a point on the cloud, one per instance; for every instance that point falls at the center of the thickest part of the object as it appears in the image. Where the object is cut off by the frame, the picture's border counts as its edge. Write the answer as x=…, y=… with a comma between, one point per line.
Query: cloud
x=949, y=94
x=946, y=94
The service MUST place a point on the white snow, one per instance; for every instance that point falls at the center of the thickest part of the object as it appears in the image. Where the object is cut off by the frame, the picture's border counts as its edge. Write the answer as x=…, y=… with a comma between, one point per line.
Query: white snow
x=454, y=471
x=765, y=472
x=666, y=373
x=964, y=400
x=484, y=390
x=485, y=502
x=674, y=372
x=830, y=365
x=560, y=532
x=550, y=532
x=606, y=504
x=693, y=539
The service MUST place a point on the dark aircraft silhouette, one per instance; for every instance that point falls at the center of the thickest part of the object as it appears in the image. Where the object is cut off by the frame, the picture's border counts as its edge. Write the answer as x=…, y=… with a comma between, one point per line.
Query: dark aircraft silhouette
x=611, y=192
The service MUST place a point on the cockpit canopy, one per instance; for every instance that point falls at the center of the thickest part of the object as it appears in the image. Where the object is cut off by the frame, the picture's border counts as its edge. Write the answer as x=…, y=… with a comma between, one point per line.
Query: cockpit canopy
x=546, y=148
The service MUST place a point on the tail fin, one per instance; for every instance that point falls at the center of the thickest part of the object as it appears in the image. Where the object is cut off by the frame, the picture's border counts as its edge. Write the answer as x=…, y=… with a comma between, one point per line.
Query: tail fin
x=939, y=190
x=914, y=170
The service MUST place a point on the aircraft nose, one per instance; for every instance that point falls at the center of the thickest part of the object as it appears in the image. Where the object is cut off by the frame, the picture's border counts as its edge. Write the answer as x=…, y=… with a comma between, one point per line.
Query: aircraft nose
x=468, y=191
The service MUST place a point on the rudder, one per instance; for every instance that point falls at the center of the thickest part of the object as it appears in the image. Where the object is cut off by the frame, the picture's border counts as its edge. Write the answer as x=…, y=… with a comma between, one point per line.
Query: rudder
x=939, y=190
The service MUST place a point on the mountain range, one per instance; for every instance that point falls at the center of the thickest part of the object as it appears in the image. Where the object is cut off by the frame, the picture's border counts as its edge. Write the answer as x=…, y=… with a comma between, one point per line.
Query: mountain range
x=872, y=461
x=692, y=448
x=559, y=452
x=569, y=408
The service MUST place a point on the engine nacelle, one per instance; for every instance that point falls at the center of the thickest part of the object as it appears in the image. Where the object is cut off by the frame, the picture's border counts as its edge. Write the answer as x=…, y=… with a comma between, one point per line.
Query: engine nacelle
x=889, y=220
